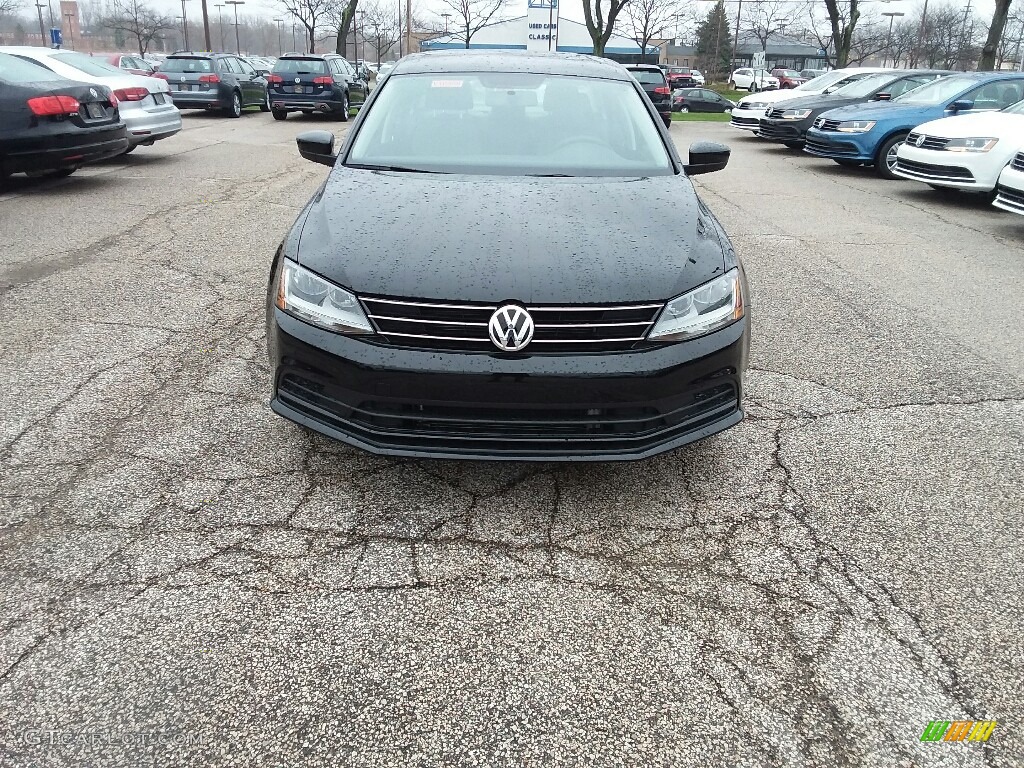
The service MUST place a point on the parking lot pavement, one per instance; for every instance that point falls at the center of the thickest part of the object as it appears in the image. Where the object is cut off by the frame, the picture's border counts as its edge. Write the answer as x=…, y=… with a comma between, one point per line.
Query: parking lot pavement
x=186, y=579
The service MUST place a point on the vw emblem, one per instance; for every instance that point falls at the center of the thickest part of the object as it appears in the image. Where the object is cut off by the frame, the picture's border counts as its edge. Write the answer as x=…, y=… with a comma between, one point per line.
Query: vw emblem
x=920, y=141
x=298, y=79
x=511, y=328
x=93, y=93
x=183, y=79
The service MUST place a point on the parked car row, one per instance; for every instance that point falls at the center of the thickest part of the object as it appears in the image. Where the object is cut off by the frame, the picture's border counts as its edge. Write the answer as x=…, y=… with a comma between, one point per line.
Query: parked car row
x=60, y=110
x=950, y=130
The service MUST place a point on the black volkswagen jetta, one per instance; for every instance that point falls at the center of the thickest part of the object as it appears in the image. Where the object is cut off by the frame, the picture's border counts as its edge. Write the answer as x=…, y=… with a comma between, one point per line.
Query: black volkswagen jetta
x=479, y=276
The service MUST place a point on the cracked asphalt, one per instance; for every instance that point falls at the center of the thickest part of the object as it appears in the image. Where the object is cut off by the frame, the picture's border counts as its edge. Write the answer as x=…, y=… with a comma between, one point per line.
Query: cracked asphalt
x=188, y=580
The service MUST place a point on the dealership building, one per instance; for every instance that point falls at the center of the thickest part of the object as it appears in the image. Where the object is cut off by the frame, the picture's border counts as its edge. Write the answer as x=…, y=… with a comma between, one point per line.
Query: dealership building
x=542, y=30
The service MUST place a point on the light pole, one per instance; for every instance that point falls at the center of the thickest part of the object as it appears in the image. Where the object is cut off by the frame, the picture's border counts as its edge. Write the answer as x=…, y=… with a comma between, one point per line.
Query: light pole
x=920, y=33
x=280, y=49
x=892, y=17
x=446, y=16
x=184, y=24
x=42, y=30
x=220, y=24
x=236, y=3
x=293, y=37
x=71, y=31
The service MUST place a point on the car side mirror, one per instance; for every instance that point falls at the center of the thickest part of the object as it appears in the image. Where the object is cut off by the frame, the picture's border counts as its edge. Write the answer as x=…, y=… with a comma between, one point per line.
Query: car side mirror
x=963, y=105
x=883, y=97
x=317, y=146
x=262, y=72
x=707, y=157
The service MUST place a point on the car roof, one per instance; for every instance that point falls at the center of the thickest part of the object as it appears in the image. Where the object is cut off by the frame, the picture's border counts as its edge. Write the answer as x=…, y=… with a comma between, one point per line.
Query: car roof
x=469, y=60
x=199, y=54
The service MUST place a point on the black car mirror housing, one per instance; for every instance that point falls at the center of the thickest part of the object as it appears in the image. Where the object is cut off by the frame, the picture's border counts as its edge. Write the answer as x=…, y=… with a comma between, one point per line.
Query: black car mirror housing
x=317, y=146
x=961, y=105
x=706, y=157
x=883, y=96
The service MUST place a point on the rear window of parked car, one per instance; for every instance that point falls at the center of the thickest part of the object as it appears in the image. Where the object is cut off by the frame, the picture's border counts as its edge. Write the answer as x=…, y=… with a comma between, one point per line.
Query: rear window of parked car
x=647, y=76
x=15, y=70
x=187, y=65
x=88, y=64
x=300, y=66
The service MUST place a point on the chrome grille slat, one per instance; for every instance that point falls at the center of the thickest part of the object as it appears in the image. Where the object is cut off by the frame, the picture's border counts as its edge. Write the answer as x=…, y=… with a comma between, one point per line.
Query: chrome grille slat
x=462, y=327
x=1018, y=162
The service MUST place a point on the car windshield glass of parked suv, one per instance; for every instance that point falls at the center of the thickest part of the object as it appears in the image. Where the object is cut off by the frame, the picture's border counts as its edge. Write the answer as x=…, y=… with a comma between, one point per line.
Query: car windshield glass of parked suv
x=788, y=73
x=15, y=70
x=88, y=64
x=187, y=64
x=938, y=91
x=863, y=87
x=300, y=67
x=511, y=124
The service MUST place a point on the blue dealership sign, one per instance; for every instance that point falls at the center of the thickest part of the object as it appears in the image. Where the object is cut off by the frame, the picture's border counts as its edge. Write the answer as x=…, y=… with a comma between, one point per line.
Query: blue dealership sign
x=56, y=39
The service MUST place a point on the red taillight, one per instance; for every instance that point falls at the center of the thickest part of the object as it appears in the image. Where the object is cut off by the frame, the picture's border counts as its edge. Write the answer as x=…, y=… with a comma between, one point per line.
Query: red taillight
x=113, y=101
x=662, y=90
x=275, y=79
x=209, y=79
x=48, y=106
x=322, y=80
x=131, y=94
x=161, y=75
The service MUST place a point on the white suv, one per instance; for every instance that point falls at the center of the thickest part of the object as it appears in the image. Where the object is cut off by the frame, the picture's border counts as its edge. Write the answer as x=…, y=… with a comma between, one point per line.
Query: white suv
x=752, y=80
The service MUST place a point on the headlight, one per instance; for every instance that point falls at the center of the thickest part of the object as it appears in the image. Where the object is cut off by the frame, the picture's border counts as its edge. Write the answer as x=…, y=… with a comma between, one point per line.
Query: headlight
x=981, y=144
x=712, y=306
x=796, y=114
x=856, y=126
x=311, y=298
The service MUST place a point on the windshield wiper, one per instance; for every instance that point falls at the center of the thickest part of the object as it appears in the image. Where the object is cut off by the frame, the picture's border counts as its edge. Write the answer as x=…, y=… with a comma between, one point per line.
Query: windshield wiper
x=396, y=168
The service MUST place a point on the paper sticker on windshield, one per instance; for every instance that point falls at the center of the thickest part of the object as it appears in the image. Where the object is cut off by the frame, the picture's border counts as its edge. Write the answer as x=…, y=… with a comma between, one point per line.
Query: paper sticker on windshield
x=445, y=83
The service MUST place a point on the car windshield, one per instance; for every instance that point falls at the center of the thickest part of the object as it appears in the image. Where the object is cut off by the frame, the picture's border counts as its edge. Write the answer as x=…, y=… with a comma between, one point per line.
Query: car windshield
x=865, y=86
x=300, y=67
x=15, y=70
x=88, y=64
x=938, y=91
x=187, y=64
x=1015, y=109
x=789, y=73
x=510, y=124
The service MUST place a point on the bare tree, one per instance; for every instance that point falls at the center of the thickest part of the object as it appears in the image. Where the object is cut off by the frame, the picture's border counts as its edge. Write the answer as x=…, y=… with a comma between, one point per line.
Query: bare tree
x=904, y=38
x=649, y=19
x=8, y=6
x=843, y=16
x=765, y=18
x=310, y=13
x=599, y=26
x=382, y=27
x=473, y=15
x=1012, y=43
x=342, y=14
x=133, y=18
x=869, y=40
x=995, y=33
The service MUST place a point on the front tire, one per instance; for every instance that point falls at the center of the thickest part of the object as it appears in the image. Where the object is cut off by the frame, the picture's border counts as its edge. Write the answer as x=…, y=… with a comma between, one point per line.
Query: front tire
x=684, y=109
x=235, y=110
x=847, y=163
x=279, y=114
x=752, y=88
x=885, y=161
x=794, y=144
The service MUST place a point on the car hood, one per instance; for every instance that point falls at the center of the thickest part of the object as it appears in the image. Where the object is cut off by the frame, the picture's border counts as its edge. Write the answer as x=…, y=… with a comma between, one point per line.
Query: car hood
x=881, y=110
x=490, y=239
x=996, y=124
x=770, y=97
x=819, y=101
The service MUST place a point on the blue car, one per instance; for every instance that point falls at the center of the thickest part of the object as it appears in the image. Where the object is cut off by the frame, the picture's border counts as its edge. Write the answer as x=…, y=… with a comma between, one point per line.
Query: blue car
x=870, y=134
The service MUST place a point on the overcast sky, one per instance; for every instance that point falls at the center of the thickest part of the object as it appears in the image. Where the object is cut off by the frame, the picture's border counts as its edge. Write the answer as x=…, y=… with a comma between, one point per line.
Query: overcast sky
x=573, y=9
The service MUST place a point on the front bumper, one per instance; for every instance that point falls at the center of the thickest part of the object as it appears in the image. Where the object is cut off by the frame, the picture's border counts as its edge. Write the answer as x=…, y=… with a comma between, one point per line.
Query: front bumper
x=976, y=172
x=859, y=147
x=746, y=119
x=597, y=407
x=1010, y=191
x=782, y=130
